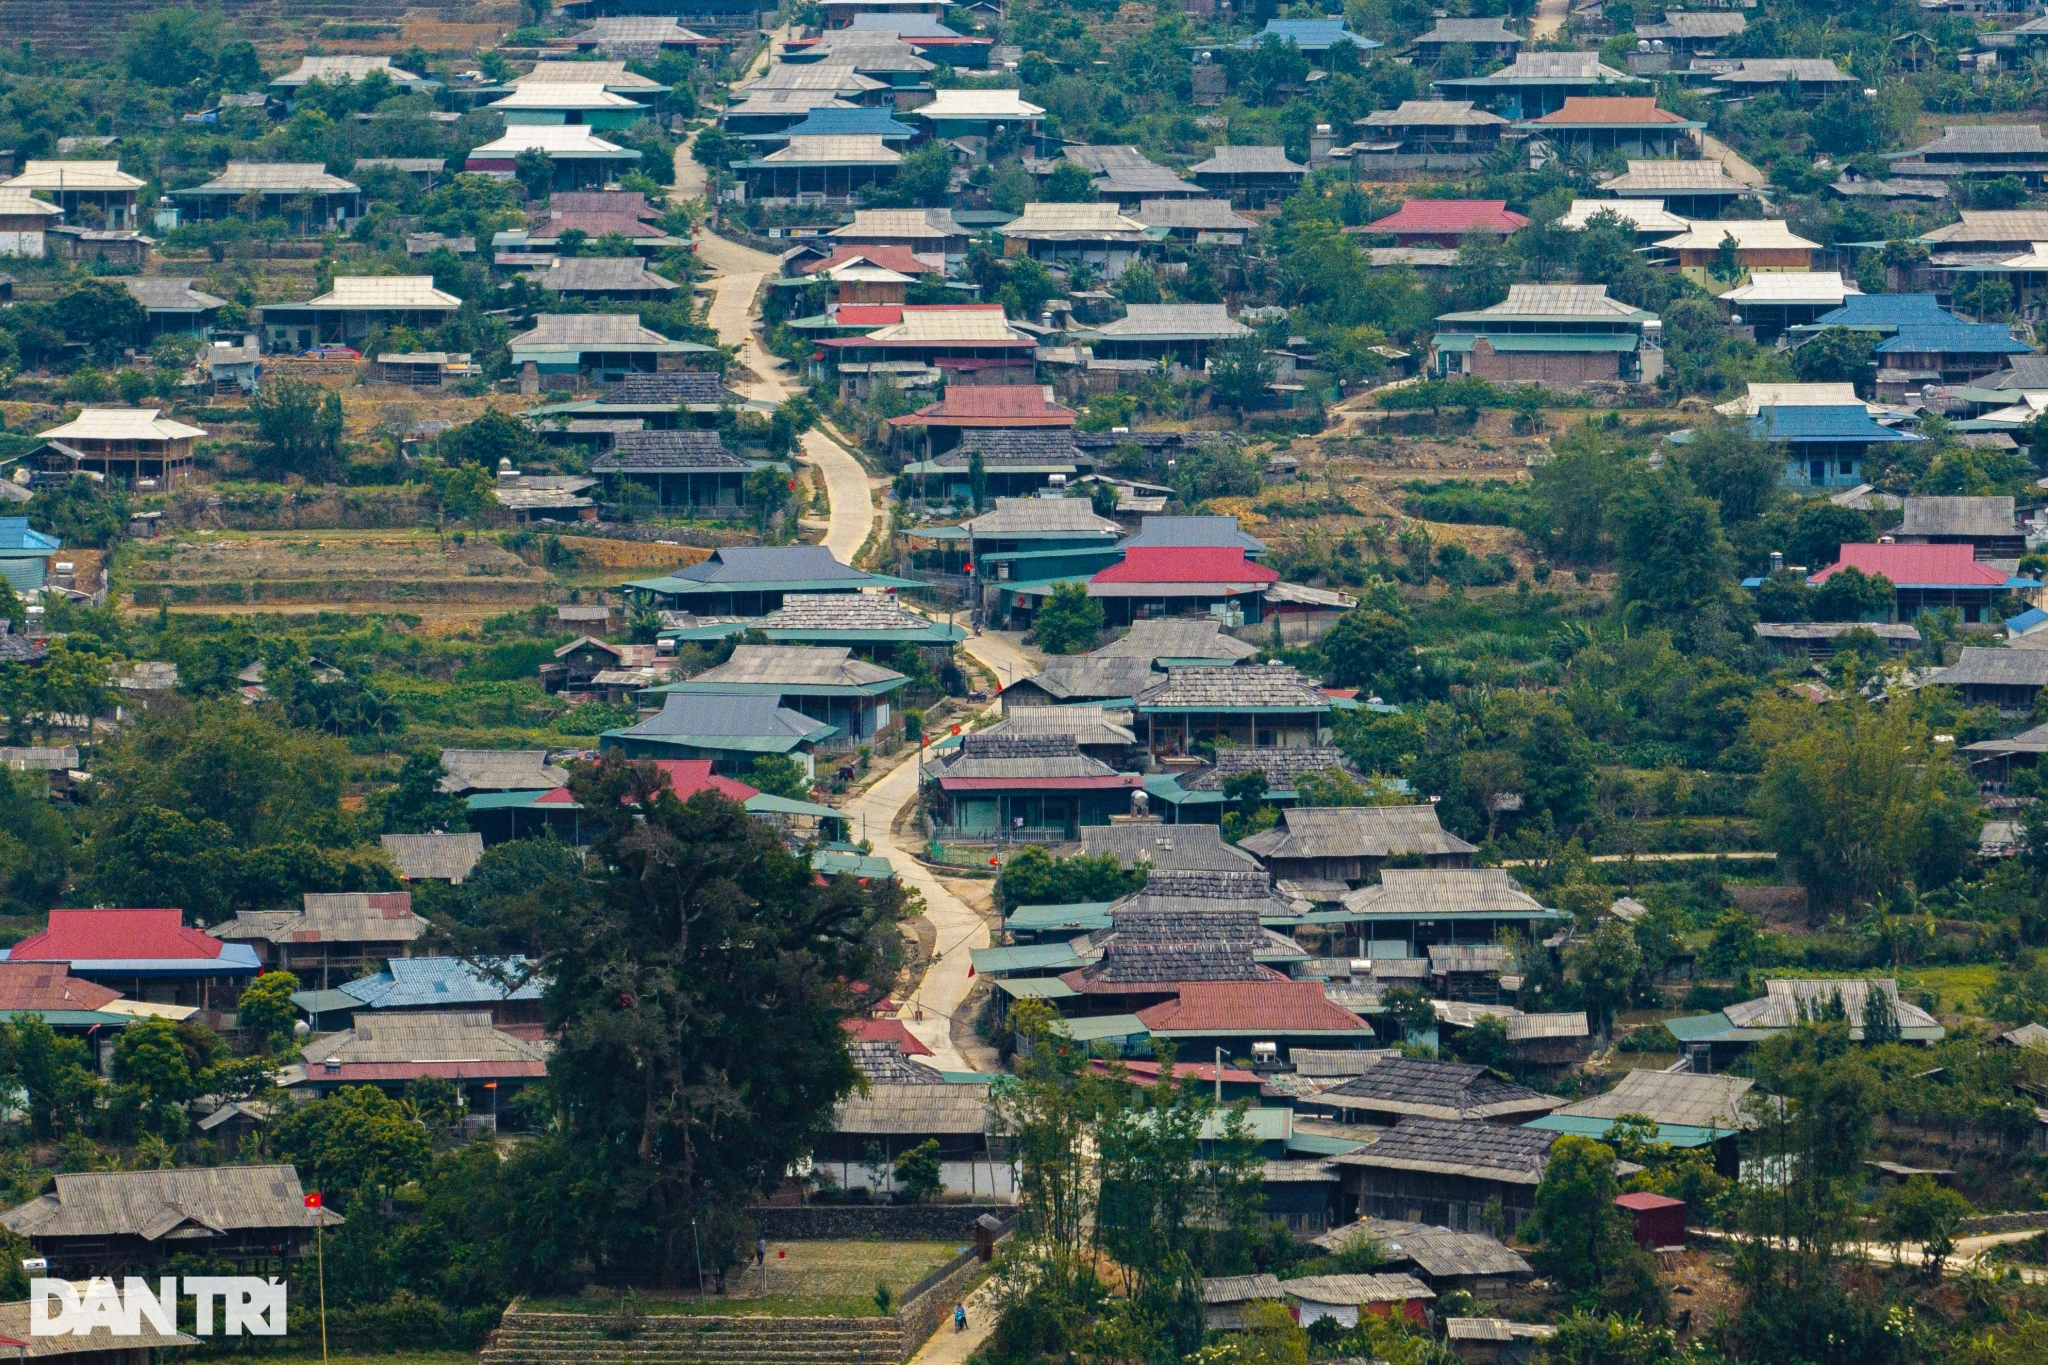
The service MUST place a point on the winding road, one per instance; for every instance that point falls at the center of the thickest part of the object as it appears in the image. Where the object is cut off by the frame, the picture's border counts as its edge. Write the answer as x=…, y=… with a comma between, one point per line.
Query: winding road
x=738, y=274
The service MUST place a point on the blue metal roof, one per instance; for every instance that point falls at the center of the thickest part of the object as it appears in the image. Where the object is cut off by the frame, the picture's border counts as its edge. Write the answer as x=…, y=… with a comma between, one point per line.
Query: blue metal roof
x=1957, y=338
x=903, y=25
x=1849, y=422
x=1310, y=35
x=864, y=121
x=1888, y=310
x=2026, y=620
x=16, y=535
x=742, y=566
x=419, y=981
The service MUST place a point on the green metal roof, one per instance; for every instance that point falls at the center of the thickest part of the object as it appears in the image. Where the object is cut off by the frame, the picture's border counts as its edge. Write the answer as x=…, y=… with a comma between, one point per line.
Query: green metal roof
x=1713, y=1028
x=1315, y=1144
x=764, y=804
x=1025, y=957
x=1101, y=1027
x=1670, y=1134
x=1035, y=988
x=325, y=1002
x=514, y=801
x=1081, y=917
x=832, y=864
x=74, y=1018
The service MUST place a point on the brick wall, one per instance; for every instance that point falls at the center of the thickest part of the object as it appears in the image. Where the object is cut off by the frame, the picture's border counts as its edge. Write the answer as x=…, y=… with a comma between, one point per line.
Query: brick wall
x=892, y=1222
x=1544, y=367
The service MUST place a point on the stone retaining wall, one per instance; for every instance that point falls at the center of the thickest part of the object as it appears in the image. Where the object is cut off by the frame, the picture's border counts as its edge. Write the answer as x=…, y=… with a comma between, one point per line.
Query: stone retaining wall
x=884, y=1222
x=926, y=1313
x=2002, y=1222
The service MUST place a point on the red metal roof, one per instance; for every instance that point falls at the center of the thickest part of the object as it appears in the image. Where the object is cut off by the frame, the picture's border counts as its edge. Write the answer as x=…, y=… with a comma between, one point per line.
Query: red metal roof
x=896, y=257
x=1612, y=109
x=887, y=1031
x=1251, y=1007
x=100, y=935
x=688, y=776
x=596, y=225
x=47, y=986
x=990, y=405
x=1106, y=782
x=1643, y=1199
x=1186, y=564
x=868, y=314
x=319, y=1073
x=1450, y=215
x=1916, y=566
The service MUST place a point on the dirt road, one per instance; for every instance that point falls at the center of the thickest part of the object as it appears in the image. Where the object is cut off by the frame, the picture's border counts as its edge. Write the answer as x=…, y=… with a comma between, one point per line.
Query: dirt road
x=1549, y=20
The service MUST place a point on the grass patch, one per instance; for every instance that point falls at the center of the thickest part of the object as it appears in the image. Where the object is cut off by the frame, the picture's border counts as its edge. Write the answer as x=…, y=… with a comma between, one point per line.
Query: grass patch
x=803, y=1279
x=360, y=1357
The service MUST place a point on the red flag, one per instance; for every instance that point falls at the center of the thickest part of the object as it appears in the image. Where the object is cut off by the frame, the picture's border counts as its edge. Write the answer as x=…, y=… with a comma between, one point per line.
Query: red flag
x=313, y=1200
x=970, y=971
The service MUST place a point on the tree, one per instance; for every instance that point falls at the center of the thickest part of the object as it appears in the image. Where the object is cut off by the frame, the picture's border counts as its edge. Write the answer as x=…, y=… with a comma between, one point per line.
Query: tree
x=299, y=426
x=1479, y=277
x=173, y=47
x=353, y=1146
x=150, y=1062
x=780, y=775
x=1138, y=284
x=1605, y=968
x=1239, y=371
x=1851, y=595
x=416, y=804
x=1069, y=620
x=1033, y=876
x=265, y=1008
x=1584, y=1235
x=1673, y=559
x=917, y=1171
x=102, y=315
x=1858, y=797
x=1408, y=1008
x=1834, y=356
x=924, y=178
x=1726, y=265
x=533, y=169
x=83, y=512
x=1880, y=1021
x=53, y=1071
x=1485, y=1044
x=1926, y=1214
x=1741, y=473
x=491, y=437
x=1069, y=183
x=1593, y=1339
x=1369, y=647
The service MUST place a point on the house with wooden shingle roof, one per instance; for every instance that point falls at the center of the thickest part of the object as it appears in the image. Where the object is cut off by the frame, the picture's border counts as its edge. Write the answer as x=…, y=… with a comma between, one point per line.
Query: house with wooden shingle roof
x=1488, y=40
x=333, y=933
x=1447, y=1172
x=1014, y=784
x=690, y=468
x=870, y=624
x=1267, y=705
x=1344, y=846
x=100, y=1222
x=1474, y=1262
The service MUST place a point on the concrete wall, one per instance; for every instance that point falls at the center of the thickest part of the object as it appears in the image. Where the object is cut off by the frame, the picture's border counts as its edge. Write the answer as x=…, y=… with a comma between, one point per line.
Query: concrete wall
x=997, y=1180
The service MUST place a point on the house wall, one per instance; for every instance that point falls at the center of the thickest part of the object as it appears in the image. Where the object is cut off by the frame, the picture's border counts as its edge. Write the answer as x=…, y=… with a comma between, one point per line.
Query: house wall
x=1452, y=1201
x=991, y=1179
x=1543, y=367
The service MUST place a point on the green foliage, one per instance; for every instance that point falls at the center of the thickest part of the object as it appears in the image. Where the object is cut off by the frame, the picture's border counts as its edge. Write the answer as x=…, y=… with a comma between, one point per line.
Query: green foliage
x=917, y=1172
x=84, y=513
x=1369, y=648
x=299, y=426
x=415, y=804
x=779, y=775
x=265, y=1008
x=353, y=1146
x=1835, y=356
x=1033, y=876
x=1069, y=620
x=491, y=437
x=1239, y=371
x=1069, y=183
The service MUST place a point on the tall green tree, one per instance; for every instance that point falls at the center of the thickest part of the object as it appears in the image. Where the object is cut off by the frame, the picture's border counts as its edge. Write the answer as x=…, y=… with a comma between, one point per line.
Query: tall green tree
x=1068, y=620
x=298, y=426
x=1672, y=557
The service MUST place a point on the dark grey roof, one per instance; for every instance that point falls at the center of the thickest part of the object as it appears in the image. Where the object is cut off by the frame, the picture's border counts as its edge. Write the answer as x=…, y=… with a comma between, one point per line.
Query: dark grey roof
x=1147, y=946
x=882, y=1062
x=1696, y=25
x=1437, y=1252
x=598, y=274
x=660, y=450
x=673, y=387
x=1437, y=1090
x=1284, y=768
x=1959, y=517
x=1828, y=630
x=1163, y=637
x=1213, y=215
x=1125, y=171
x=2020, y=372
x=157, y=293
x=1469, y=31
x=1248, y=161
x=724, y=715
x=1191, y=532
x=1018, y=756
x=197, y=1201
x=434, y=857
x=1486, y=1151
x=1977, y=139
x=1997, y=667
x=1355, y=832
x=1268, y=686
x=1014, y=445
x=1176, y=848
x=1090, y=677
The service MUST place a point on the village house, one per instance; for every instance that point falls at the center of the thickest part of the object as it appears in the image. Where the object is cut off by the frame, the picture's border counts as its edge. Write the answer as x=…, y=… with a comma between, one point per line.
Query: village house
x=1551, y=333
x=644, y=36
x=1696, y=189
x=1824, y=446
x=23, y=221
x=1651, y=221
x=922, y=231
x=730, y=730
x=1713, y=1040
x=138, y=446
x=346, y=70
x=1313, y=38
x=559, y=103
x=1104, y=735
x=903, y=1105
x=1024, y=545
x=612, y=75
x=1339, y=848
x=1496, y=1341
x=1471, y=1262
x=73, y=1006
x=1024, y=788
x=173, y=305
x=1809, y=80
x=1123, y=175
x=1395, y=1088
x=689, y=469
x=1760, y=246
x=1344, y=1299
x=1772, y=302
x=1426, y=135
x=1097, y=235
x=1267, y=705
x=1164, y=848
x=468, y=771
x=1978, y=152
x=346, y=313
x=91, y=193
x=146, y=955
x=1690, y=1111
x=103, y=1222
x=828, y=121
x=1412, y=908
x=1987, y=525
x=826, y=683
x=1181, y=581
x=1693, y=33
x=1198, y=798
x=563, y=348
x=1103, y=679
x=750, y=580
x=1930, y=577
x=665, y=401
x=303, y=194
x=1006, y=461
x=1538, y=83
x=1447, y=1173
x=832, y=169
x=872, y=625
x=1184, y=333
x=1446, y=222
x=624, y=278
x=954, y=114
x=336, y=933
x=1195, y=222
x=963, y=409
x=2009, y=679
x=487, y=1065
x=1590, y=127
x=1249, y=177
x=579, y=156
x=932, y=345
x=1484, y=41
x=434, y=857
x=504, y=988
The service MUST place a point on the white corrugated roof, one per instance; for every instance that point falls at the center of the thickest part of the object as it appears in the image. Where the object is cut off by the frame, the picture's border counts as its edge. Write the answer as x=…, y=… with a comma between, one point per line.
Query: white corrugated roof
x=1797, y=286
x=73, y=175
x=333, y=70
x=19, y=203
x=385, y=291
x=1647, y=215
x=974, y=104
x=120, y=424
x=1105, y=219
x=556, y=139
x=950, y=324
x=864, y=149
x=1676, y=177
x=1761, y=396
x=563, y=95
x=611, y=75
x=1754, y=234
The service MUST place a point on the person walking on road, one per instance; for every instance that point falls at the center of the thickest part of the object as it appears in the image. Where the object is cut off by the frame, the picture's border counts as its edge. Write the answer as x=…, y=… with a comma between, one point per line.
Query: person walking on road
x=959, y=1317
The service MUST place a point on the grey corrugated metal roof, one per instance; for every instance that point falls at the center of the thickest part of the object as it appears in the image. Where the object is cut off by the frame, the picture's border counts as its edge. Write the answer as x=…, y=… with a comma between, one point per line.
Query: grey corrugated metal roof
x=435, y=857
x=1248, y=161
x=1241, y=1288
x=152, y=1204
x=994, y=754
x=1484, y=1151
x=1040, y=516
x=499, y=770
x=1167, y=848
x=1179, y=320
x=159, y=293
x=1681, y=1098
x=1212, y=215
x=740, y=566
x=687, y=450
x=1265, y=687
x=1283, y=769
x=1469, y=31
x=1191, y=533
x=454, y=1036
x=797, y=666
x=571, y=274
x=1089, y=677
x=1959, y=517
x=1158, y=638
x=1357, y=1289
x=1696, y=26
x=1995, y=668
x=915, y=1110
x=1975, y=140
x=1422, y=892
x=713, y=716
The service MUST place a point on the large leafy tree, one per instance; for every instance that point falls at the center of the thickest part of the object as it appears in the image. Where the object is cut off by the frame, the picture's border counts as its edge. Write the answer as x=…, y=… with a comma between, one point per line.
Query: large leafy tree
x=698, y=984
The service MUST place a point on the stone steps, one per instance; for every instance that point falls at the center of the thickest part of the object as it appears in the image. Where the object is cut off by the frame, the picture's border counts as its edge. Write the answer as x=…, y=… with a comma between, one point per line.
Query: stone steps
x=575, y=1339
